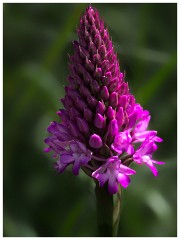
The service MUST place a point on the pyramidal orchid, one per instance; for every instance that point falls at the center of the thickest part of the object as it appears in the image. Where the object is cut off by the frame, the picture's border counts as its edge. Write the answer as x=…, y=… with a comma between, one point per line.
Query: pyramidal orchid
x=102, y=129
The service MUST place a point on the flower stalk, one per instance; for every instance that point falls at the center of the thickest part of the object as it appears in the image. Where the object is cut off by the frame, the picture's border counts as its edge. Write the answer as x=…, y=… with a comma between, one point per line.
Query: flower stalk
x=108, y=211
x=104, y=205
x=116, y=210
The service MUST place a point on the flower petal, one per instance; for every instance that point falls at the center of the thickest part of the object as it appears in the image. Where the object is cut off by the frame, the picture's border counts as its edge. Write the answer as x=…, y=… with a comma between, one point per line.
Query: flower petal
x=84, y=160
x=152, y=167
x=146, y=148
x=100, y=170
x=143, y=124
x=130, y=150
x=112, y=185
x=61, y=144
x=132, y=119
x=156, y=162
x=158, y=139
x=116, y=148
x=60, y=167
x=126, y=170
x=66, y=158
x=123, y=179
x=74, y=146
x=102, y=178
x=137, y=158
x=82, y=146
x=141, y=136
x=76, y=168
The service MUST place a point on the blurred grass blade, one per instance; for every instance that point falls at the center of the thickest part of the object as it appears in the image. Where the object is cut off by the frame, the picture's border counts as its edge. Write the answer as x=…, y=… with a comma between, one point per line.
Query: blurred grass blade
x=63, y=36
x=154, y=83
x=71, y=218
x=145, y=54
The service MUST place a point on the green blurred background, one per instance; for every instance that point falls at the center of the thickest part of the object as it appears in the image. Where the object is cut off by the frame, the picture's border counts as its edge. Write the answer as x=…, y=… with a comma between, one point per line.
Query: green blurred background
x=37, y=39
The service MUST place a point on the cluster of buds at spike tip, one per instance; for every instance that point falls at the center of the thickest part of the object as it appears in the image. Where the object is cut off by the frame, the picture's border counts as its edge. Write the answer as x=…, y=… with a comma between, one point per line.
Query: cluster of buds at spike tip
x=102, y=128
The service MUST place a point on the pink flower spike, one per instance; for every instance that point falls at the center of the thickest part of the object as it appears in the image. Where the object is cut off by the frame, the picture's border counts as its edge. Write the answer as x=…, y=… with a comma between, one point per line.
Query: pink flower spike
x=101, y=120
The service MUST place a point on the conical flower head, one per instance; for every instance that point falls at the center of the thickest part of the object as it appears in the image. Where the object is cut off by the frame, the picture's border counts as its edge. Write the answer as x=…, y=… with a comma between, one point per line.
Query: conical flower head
x=101, y=122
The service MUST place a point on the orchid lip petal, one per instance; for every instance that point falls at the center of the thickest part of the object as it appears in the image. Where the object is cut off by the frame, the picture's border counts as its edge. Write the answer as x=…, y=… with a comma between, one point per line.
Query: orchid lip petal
x=124, y=180
x=112, y=185
x=76, y=168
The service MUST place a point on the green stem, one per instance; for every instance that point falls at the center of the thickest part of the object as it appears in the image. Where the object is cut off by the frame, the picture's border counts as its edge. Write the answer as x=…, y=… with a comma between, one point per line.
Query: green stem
x=107, y=212
x=116, y=212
